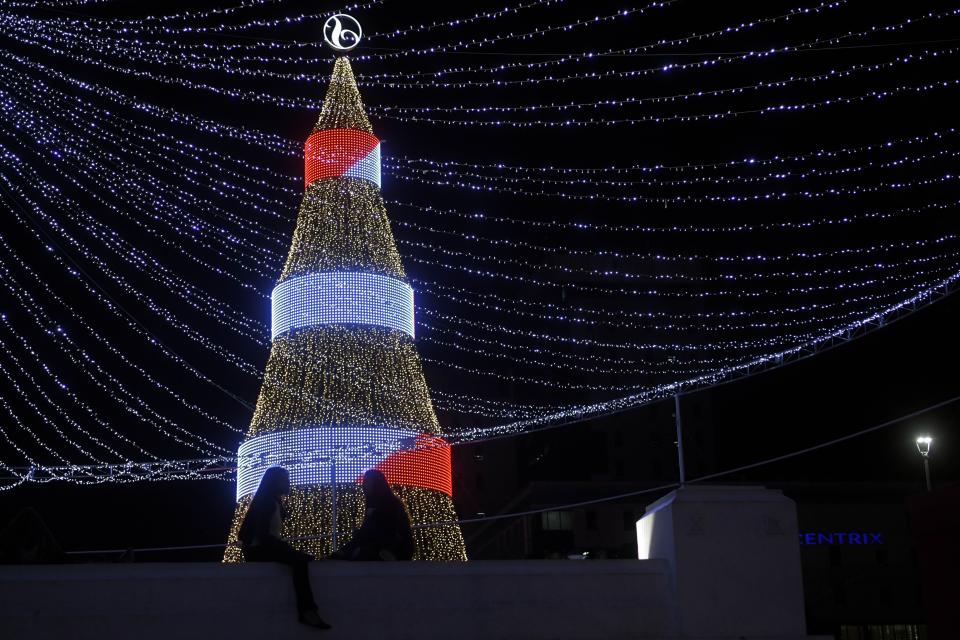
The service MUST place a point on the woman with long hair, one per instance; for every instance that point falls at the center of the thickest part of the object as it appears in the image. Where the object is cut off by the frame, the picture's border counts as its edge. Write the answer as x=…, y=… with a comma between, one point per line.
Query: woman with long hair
x=385, y=533
x=260, y=538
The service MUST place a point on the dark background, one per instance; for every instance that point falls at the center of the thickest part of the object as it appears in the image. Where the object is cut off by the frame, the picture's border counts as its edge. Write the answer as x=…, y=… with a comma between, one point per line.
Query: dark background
x=891, y=372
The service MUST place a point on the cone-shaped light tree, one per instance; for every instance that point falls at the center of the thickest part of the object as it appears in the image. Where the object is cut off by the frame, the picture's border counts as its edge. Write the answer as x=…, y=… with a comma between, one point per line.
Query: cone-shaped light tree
x=344, y=389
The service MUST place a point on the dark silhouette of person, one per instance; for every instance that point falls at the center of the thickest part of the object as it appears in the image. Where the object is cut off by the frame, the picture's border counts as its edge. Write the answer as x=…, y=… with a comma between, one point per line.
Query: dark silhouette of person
x=260, y=539
x=385, y=533
x=28, y=540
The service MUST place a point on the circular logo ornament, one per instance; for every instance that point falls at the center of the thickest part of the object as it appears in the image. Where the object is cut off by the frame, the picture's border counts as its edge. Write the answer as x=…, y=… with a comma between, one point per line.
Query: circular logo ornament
x=342, y=32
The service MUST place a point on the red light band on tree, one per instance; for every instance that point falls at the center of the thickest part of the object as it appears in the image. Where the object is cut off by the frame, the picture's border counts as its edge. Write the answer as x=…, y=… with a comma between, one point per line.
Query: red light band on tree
x=427, y=466
x=336, y=153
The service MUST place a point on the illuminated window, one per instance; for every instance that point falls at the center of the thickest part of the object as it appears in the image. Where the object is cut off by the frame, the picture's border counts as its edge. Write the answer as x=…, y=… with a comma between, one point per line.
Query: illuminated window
x=883, y=632
x=556, y=521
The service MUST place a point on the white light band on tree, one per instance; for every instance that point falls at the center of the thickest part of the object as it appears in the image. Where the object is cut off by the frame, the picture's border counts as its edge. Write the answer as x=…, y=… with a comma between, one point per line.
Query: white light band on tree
x=367, y=167
x=317, y=455
x=342, y=297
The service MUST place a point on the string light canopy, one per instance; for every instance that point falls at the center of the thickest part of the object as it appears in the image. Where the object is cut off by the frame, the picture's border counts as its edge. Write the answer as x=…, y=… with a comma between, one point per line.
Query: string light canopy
x=594, y=208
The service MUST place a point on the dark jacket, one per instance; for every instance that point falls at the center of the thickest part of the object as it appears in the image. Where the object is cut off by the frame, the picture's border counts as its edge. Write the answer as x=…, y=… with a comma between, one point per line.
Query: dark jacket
x=386, y=527
x=256, y=524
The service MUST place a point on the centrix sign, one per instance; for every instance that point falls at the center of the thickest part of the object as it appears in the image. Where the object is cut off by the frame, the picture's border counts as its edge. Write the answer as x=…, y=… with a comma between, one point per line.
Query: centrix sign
x=841, y=537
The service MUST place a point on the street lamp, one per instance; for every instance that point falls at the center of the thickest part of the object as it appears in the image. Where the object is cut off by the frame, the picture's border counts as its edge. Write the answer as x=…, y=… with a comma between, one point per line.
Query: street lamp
x=923, y=446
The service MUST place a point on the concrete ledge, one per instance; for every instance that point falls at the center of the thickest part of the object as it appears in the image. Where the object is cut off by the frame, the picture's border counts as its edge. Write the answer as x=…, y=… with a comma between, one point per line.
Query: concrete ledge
x=575, y=600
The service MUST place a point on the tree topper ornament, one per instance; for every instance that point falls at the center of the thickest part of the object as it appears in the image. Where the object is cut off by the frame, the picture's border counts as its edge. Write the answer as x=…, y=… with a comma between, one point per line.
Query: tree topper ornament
x=342, y=32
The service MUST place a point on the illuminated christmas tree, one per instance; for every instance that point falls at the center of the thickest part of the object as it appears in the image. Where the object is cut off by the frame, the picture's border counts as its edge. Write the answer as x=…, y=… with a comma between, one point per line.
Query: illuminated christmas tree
x=344, y=389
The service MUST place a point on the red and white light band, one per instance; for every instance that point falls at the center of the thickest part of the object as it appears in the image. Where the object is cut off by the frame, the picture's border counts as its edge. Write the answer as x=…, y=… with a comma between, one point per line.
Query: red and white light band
x=336, y=153
x=405, y=457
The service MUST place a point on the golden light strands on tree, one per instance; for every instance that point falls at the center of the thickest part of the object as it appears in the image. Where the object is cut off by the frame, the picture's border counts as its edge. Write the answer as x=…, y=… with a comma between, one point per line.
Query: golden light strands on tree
x=344, y=389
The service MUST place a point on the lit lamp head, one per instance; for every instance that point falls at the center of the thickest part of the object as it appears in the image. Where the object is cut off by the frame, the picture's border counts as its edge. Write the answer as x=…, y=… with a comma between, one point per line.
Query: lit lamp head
x=342, y=33
x=923, y=445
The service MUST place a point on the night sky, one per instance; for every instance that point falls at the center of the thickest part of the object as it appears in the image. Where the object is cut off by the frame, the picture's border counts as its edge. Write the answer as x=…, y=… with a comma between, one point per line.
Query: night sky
x=892, y=231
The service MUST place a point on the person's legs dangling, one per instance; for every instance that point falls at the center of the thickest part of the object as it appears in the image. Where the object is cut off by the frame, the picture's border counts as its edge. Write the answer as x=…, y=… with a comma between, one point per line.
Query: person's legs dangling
x=279, y=551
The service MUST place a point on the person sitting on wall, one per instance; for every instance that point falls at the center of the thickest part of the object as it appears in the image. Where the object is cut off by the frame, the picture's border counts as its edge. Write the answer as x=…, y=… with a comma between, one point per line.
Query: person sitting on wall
x=260, y=539
x=385, y=533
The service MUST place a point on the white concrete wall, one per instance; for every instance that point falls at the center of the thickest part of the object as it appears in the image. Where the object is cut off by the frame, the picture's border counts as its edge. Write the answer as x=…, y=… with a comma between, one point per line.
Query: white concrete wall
x=734, y=560
x=719, y=563
x=570, y=600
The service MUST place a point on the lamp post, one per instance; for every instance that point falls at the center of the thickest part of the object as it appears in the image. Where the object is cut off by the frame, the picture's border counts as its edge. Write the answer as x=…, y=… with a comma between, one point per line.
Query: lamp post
x=923, y=446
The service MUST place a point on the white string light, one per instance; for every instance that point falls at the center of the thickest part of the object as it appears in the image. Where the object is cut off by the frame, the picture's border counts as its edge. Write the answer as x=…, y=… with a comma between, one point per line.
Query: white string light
x=209, y=228
x=421, y=114
x=775, y=108
x=841, y=220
